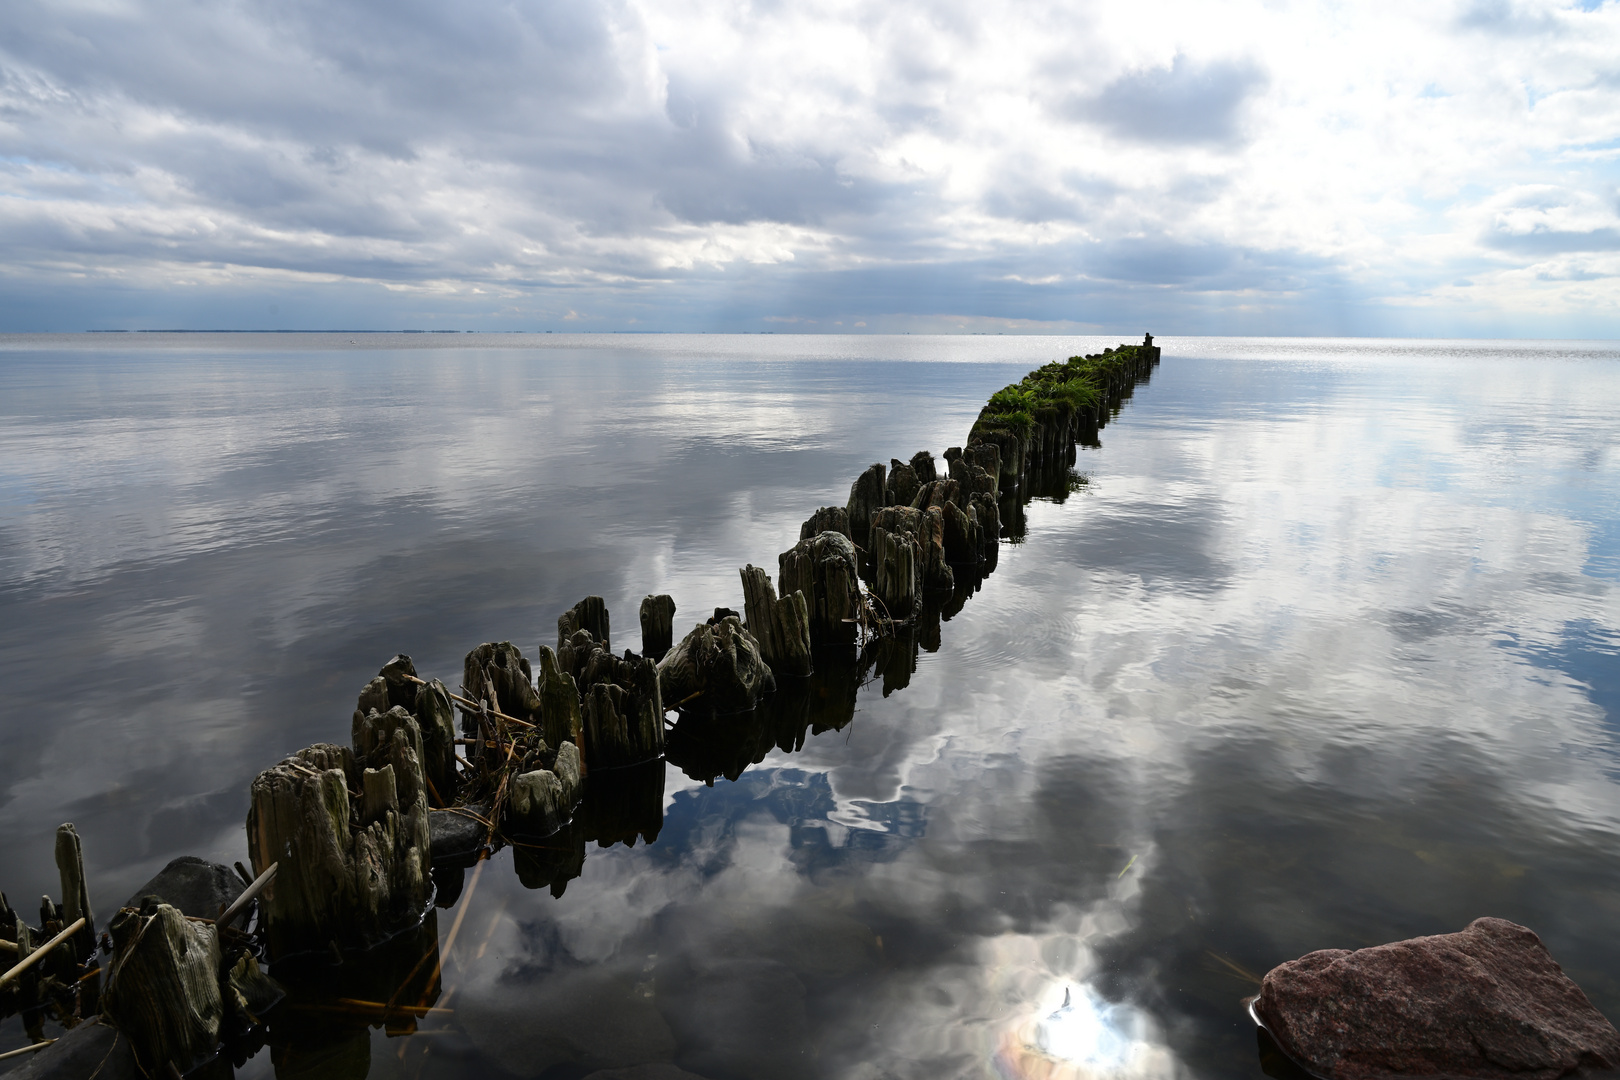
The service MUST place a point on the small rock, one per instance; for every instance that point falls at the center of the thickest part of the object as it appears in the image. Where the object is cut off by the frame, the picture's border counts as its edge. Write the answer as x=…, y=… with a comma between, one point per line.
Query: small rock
x=196, y=886
x=1489, y=1001
x=456, y=838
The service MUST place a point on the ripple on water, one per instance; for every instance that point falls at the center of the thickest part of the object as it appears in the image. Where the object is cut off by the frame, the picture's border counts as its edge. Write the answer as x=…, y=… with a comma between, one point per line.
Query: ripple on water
x=1011, y=633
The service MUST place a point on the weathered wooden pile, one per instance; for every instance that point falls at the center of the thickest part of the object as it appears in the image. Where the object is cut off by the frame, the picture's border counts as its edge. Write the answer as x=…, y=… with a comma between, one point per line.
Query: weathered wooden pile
x=348, y=843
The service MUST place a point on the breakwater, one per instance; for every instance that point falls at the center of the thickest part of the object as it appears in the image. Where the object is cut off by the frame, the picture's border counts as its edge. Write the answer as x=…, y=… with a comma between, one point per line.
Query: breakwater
x=545, y=749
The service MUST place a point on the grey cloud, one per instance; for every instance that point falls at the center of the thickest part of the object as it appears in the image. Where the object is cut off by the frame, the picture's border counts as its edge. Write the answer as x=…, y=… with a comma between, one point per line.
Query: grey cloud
x=546, y=149
x=1184, y=103
x=1553, y=241
x=1505, y=17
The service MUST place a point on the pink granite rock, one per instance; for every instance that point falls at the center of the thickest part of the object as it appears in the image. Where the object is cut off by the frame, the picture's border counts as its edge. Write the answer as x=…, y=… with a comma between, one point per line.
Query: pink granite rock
x=1489, y=1001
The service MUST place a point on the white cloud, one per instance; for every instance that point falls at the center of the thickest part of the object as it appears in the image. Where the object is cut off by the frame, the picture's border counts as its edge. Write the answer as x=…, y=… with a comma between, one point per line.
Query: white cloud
x=710, y=157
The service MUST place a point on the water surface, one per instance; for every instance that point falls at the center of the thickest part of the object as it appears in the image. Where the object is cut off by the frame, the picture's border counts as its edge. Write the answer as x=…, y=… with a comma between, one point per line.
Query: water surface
x=1324, y=653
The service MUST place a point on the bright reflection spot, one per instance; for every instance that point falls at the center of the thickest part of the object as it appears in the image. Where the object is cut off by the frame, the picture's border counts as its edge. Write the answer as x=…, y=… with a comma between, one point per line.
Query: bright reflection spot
x=1083, y=1036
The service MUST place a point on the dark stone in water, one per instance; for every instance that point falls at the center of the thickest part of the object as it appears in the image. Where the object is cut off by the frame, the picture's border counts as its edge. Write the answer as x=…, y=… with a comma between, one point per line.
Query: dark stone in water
x=456, y=838
x=1489, y=1001
x=90, y=1049
x=196, y=886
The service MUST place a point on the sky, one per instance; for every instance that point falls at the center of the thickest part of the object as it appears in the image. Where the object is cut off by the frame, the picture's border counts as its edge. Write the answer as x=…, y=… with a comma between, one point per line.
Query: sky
x=1446, y=168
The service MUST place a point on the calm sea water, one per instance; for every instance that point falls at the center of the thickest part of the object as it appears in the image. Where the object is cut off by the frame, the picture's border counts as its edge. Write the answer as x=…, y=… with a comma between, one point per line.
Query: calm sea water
x=1324, y=653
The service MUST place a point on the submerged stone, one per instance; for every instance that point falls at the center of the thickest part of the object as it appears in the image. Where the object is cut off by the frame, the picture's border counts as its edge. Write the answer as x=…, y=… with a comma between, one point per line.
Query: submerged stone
x=454, y=837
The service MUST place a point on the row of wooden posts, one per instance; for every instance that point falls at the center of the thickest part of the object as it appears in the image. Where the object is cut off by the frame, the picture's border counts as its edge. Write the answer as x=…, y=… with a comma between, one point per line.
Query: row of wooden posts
x=343, y=838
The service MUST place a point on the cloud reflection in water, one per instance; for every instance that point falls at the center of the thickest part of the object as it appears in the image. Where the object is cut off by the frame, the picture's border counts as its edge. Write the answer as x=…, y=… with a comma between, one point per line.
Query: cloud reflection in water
x=1085, y=1036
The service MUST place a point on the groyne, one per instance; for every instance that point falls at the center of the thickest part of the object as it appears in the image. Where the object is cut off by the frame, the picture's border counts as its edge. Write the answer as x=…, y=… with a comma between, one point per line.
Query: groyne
x=352, y=847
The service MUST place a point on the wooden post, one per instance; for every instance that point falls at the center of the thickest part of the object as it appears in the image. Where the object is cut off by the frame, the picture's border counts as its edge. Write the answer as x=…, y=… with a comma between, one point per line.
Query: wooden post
x=989, y=512
x=902, y=484
x=436, y=718
x=343, y=879
x=559, y=701
x=590, y=614
x=827, y=519
x=163, y=992
x=623, y=710
x=866, y=497
x=543, y=799
x=782, y=627
x=657, y=625
x=824, y=568
x=718, y=667
x=960, y=546
x=897, y=581
x=75, y=891
x=986, y=456
x=499, y=673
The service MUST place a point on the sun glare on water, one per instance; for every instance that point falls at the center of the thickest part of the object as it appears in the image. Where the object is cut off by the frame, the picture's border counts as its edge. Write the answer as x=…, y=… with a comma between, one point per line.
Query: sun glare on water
x=1076, y=1035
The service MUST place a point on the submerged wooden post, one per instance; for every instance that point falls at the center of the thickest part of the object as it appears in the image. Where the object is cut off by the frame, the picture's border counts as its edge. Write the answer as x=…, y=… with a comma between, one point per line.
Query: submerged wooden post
x=782, y=627
x=657, y=625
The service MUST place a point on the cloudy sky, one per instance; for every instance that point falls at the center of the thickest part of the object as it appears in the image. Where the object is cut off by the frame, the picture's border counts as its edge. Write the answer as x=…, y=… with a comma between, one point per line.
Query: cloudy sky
x=1253, y=166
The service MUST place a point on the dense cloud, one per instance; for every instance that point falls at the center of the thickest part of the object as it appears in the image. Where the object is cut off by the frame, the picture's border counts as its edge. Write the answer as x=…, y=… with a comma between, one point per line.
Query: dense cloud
x=693, y=165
